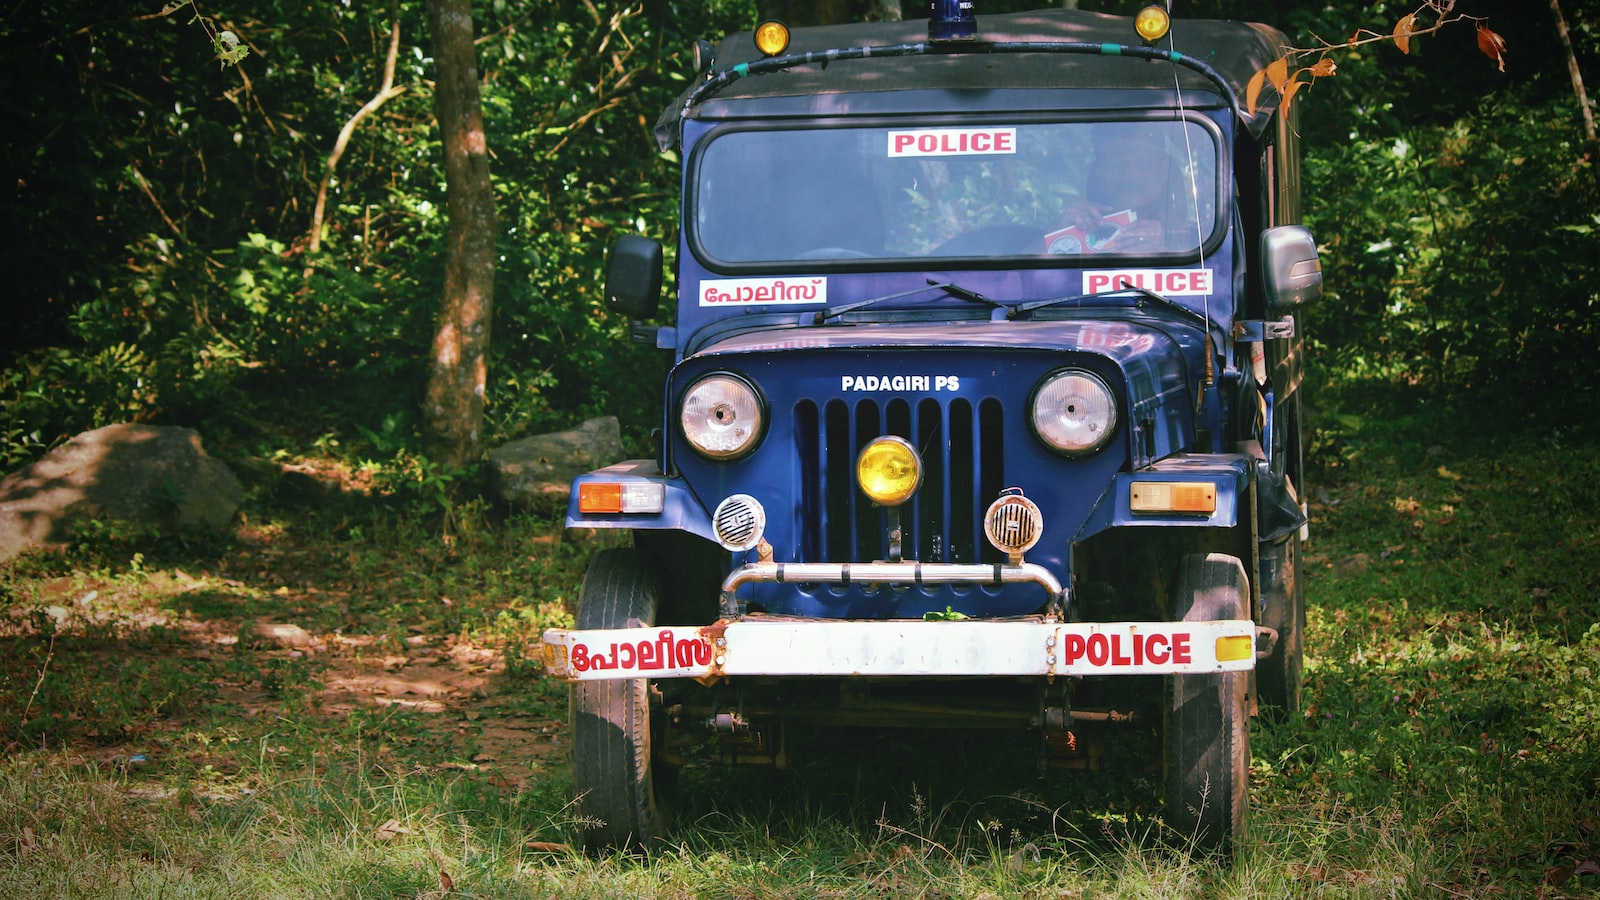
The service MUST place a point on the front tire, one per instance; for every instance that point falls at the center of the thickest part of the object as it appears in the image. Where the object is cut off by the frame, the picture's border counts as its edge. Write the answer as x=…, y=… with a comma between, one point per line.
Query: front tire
x=1207, y=734
x=611, y=747
x=1280, y=676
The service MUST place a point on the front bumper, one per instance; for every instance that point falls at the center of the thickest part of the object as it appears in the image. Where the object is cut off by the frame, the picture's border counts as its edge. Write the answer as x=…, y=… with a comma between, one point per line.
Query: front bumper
x=772, y=646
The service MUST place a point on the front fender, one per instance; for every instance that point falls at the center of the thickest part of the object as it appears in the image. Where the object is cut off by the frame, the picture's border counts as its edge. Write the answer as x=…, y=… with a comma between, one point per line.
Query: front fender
x=680, y=511
x=1229, y=476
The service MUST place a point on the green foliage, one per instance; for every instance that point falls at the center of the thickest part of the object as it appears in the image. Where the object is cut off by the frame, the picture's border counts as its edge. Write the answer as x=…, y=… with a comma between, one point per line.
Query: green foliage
x=176, y=200
x=224, y=42
x=157, y=255
x=1472, y=259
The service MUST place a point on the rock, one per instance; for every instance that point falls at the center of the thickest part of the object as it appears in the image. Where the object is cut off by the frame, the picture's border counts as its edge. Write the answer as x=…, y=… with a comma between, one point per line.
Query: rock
x=535, y=473
x=144, y=474
x=308, y=486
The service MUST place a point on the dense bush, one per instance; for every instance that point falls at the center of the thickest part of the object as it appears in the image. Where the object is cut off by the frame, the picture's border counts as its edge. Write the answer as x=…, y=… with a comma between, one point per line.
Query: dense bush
x=158, y=258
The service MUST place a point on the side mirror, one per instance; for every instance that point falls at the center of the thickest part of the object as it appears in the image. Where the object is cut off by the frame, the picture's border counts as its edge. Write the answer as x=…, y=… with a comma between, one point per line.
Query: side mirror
x=633, y=276
x=1290, y=267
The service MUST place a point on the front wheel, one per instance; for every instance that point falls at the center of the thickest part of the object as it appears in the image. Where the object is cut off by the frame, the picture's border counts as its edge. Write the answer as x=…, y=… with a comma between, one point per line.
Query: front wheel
x=1279, y=677
x=611, y=748
x=1207, y=740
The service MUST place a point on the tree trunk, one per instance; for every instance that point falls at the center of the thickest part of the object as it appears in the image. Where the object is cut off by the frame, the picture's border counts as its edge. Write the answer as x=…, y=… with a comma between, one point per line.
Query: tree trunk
x=452, y=410
x=1577, y=77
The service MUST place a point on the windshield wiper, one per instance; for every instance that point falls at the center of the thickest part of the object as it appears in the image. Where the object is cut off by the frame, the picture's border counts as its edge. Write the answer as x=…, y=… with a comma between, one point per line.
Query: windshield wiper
x=954, y=290
x=1164, y=300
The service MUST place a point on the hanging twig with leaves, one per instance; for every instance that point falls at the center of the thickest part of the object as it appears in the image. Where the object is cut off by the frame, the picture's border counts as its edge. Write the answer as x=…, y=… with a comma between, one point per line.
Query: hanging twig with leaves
x=1287, y=79
x=230, y=51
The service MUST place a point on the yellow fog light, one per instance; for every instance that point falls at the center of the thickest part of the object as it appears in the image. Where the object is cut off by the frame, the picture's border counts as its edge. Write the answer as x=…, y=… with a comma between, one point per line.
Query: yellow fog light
x=889, y=471
x=1152, y=23
x=1235, y=647
x=1173, y=496
x=772, y=37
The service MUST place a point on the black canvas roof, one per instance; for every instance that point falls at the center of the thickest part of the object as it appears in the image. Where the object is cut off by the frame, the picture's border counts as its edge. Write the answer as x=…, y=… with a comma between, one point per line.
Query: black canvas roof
x=1234, y=50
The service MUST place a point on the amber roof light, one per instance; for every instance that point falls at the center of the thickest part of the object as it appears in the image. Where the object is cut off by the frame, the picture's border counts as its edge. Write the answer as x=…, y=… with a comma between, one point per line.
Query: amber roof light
x=1152, y=23
x=772, y=37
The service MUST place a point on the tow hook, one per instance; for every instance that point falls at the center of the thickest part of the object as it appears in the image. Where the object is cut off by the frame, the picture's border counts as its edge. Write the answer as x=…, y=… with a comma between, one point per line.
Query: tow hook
x=1266, y=641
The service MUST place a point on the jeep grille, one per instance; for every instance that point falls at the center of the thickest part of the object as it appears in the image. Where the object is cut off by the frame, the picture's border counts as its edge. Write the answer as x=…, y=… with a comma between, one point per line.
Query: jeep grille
x=961, y=448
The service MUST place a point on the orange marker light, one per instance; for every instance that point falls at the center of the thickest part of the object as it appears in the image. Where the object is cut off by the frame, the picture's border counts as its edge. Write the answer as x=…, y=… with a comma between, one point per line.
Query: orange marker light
x=612, y=497
x=1173, y=496
x=595, y=497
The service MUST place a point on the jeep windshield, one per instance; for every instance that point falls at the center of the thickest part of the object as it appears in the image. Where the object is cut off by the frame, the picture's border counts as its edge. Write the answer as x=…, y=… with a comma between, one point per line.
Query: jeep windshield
x=1058, y=192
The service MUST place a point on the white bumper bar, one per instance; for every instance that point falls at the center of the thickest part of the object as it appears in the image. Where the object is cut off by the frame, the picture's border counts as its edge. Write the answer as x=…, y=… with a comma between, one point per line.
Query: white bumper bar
x=820, y=647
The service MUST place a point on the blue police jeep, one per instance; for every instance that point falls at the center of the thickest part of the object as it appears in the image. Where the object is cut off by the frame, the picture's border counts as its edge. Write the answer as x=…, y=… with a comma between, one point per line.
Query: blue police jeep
x=983, y=411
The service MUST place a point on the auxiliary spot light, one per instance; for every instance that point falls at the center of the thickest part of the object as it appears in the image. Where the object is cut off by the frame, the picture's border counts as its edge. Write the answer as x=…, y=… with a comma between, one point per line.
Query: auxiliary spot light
x=772, y=37
x=1152, y=23
x=889, y=470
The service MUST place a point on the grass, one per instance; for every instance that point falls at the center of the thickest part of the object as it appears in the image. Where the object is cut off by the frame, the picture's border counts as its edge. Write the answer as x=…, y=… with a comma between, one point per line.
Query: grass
x=342, y=703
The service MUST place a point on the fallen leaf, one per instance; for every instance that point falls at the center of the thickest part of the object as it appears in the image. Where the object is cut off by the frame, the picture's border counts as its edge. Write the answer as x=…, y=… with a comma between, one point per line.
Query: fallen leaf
x=390, y=830
x=547, y=847
x=446, y=883
x=1349, y=564
x=1587, y=867
x=1558, y=875
x=26, y=843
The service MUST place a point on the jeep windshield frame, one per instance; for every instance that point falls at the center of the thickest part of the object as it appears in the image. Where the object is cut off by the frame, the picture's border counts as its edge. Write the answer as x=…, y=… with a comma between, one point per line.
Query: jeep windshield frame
x=980, y=189
x=832, y=70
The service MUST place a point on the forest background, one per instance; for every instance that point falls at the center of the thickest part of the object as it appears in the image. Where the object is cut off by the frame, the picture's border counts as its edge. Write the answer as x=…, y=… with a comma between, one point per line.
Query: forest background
x=167, y=259
x=339, y=698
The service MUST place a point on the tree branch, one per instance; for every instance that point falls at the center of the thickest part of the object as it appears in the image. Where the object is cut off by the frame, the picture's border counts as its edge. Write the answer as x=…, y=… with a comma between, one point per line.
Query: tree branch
x=388, y=91
x=145, y=186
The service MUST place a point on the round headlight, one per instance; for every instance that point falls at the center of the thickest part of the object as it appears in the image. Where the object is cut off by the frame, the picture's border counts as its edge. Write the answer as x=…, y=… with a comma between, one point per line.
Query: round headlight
x=1074, y=412
x=721, y=416
x=889, y=470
